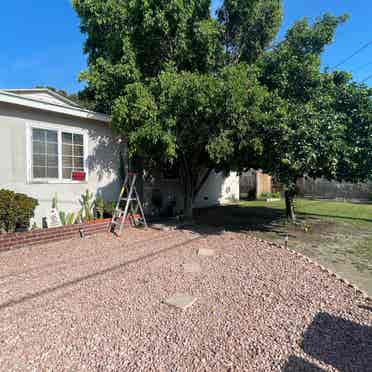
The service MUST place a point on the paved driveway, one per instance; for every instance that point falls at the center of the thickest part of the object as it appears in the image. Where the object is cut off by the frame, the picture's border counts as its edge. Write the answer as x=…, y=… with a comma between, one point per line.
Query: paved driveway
x=97, y=305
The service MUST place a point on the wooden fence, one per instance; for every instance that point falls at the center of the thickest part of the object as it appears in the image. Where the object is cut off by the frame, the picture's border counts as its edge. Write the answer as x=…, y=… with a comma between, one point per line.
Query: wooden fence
x=322, y=188
x=254, y=183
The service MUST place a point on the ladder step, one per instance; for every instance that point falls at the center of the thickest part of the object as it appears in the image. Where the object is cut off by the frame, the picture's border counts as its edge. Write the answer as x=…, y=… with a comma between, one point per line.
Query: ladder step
x=120, y=215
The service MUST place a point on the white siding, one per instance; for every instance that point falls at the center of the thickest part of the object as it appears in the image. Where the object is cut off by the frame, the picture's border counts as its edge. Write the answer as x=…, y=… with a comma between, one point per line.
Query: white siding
x=102, y=160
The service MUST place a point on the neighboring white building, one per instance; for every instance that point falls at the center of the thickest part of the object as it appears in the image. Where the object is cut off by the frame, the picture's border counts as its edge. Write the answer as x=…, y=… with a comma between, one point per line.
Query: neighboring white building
x=49, y=146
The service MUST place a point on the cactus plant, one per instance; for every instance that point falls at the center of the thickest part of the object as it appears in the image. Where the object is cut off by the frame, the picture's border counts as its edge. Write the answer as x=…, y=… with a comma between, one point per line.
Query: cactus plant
x=87, y=205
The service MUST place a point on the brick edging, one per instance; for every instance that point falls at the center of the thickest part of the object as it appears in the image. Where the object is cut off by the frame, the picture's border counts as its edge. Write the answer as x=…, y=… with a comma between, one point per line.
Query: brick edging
x=13, y=241
x=18, y=240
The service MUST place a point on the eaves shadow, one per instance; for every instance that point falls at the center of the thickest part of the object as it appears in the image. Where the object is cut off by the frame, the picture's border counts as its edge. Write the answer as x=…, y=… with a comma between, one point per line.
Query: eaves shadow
x=297, y=364
x=341, y=343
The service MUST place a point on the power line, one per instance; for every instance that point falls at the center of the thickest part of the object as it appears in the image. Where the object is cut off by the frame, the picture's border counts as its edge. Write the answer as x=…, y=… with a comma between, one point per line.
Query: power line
x=354, y=54
x=367, y=78
x=362, y=67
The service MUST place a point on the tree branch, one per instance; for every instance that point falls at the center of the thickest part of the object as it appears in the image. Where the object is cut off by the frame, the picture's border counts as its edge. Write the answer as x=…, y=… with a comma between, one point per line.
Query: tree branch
x=202, y=182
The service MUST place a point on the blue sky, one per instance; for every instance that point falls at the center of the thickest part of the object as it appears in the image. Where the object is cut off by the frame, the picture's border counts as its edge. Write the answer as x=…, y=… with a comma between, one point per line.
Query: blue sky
x=41, y=43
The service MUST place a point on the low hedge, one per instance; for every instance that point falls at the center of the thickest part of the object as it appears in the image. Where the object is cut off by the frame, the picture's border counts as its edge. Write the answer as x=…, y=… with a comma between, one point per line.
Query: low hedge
x=16, y=210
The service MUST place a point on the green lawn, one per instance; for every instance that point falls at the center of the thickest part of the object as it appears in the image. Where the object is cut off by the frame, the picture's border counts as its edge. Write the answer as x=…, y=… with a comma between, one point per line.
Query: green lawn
x=336, y=234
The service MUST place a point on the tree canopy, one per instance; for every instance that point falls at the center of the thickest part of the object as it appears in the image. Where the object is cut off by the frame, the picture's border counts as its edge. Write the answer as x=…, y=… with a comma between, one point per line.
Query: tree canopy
x=130, y=41
x=177, y=81
x=354, y=102
x=215, y=93
x=303, y=131
x=248, y=27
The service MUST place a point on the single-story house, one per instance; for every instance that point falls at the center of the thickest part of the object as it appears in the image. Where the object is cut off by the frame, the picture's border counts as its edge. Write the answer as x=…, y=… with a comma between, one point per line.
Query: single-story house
x=50, y=146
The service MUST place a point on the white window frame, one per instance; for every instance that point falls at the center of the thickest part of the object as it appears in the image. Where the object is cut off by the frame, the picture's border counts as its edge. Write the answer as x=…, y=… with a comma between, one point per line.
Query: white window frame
x=59, y=129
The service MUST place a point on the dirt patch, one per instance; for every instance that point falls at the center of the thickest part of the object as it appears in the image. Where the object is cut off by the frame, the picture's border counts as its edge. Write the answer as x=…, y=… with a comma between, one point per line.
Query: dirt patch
x=341, y=244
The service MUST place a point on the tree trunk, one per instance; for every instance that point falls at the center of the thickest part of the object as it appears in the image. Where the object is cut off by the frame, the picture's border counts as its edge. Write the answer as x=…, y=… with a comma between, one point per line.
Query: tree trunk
x=188, y=206
x=289, y=205
x=188, y=199
x=188, y=189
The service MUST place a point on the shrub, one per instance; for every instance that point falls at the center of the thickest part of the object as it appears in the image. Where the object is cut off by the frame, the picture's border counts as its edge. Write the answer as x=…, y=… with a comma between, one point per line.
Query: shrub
x=16, y=210
x=109, y=208
x=99, y=207
x=252, y=194
x=7, y=211
x=157, y=199
x=270, y=195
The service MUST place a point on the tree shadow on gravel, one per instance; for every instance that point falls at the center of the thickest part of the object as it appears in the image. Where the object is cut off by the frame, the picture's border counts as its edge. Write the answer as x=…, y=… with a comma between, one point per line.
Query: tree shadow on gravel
x=296, y=364
x=239, y=218
x=341, y=343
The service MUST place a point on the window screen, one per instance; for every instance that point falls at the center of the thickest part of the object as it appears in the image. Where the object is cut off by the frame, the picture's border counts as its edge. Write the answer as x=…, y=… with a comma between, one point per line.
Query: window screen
x=72, y=154
x=44, y=153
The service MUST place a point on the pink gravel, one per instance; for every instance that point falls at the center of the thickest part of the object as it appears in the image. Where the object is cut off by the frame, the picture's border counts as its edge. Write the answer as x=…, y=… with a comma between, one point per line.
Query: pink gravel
x=97, y=305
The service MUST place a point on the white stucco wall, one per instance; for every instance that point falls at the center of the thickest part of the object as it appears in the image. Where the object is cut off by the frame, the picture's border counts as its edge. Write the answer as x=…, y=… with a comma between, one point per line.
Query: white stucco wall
x=218, y=189
x=102, y=163
x=102, y=160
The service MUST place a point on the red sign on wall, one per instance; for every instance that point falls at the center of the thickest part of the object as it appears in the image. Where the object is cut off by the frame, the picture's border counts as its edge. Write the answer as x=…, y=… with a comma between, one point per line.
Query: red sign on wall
x=78, y=176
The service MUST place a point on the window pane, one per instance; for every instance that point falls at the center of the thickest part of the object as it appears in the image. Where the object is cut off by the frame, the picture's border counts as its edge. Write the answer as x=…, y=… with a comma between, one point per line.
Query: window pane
x=78, y=150
x=39, y=172
x=67, y=173
x=66, y=150
x=67, y=138
x=38, y=135
x=52, y=161
x=67, y=162
x=38, y=147
x=52, y=172
x=52, y=136
x=78, y=162
x=45, y=153
x=39, y=160
x=78, y=139
x=52, y=149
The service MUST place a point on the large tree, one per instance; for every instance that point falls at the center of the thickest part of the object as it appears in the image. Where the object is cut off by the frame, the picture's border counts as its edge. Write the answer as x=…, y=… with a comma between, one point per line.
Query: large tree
x=177, y=81
x=303, y=130
x=183, y=87
x=354, y=102
x=192, y=119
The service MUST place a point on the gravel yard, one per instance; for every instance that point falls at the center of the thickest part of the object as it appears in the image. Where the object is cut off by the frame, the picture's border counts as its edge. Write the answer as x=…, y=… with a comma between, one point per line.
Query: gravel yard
x=97, y=305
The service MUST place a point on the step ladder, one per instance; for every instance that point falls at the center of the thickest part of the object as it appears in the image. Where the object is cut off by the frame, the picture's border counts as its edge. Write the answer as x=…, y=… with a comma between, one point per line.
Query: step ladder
x=129, y=196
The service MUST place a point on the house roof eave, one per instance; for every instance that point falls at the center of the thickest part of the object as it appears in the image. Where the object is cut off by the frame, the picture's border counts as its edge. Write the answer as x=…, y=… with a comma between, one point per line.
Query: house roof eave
x=12, y=98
